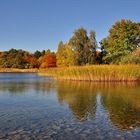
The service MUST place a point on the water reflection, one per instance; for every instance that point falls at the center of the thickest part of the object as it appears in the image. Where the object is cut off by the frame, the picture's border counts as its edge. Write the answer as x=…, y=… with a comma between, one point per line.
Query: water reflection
x=123, y=105
x=121, y=101
x=80, y=98
x=22, y=83
x=116, y=104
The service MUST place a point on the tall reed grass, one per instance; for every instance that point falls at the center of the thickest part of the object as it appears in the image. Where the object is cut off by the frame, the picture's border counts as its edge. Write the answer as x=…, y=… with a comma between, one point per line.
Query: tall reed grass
x=97, y=73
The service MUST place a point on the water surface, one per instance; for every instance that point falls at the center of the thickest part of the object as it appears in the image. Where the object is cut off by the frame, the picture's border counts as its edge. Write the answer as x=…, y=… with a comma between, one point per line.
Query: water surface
x=33, y=107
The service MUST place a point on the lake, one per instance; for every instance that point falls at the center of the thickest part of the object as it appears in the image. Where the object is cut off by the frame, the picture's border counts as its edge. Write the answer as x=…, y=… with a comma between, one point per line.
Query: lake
x=37, y=107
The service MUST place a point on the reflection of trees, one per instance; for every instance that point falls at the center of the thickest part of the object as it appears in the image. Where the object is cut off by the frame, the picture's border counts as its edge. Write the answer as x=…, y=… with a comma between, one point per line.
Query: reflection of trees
x=44, y=86
x=123, y=104
x=80, y=98
x=20, y=87
x=122, y=101
x=13, y=87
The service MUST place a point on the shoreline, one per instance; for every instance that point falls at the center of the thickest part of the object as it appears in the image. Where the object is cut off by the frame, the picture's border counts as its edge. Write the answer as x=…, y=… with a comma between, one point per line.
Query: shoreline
x=12, y=70
x=92, y=73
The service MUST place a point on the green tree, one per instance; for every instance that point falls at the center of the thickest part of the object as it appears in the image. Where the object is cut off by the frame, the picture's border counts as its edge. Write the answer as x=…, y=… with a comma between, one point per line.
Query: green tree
x=132, y=58
x=84, y=46
x=37, y=54
x=48, y=51
x=120, y=41
x=79, y=43
x=92, y=58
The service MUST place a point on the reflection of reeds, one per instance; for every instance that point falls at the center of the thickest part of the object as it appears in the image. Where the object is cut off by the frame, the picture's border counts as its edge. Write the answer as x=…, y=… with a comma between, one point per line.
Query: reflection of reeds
x=97, y=73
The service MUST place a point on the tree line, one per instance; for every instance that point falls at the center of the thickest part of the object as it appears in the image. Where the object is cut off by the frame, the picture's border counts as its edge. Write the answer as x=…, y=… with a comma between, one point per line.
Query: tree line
x=24, y=60
x=121, y=46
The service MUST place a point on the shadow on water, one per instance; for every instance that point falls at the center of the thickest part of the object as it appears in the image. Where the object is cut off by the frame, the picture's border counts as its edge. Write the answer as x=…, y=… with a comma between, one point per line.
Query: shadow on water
x=120, y=100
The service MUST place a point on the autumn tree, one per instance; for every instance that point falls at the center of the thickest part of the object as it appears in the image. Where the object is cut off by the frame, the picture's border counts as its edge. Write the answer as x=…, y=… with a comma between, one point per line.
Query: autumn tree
x=48, y=60
x=65, y=55
x=60, y=55
x=70, y=55
x=32, y=61
x=121, y=40
x=13, y=59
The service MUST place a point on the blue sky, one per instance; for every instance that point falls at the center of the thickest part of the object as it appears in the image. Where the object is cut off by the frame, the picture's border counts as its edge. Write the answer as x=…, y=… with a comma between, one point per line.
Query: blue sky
x=40, y=24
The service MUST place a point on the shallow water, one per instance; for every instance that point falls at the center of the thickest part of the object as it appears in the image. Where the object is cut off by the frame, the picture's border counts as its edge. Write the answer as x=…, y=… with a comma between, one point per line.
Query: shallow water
x=33, y=107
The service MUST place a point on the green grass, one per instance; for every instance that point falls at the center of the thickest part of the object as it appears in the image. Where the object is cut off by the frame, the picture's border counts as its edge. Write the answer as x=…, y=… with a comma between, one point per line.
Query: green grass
x=97, y=73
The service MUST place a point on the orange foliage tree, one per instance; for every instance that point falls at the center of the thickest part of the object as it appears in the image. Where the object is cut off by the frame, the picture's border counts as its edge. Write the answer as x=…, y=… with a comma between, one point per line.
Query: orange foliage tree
x=33, y=62
x=49, y=60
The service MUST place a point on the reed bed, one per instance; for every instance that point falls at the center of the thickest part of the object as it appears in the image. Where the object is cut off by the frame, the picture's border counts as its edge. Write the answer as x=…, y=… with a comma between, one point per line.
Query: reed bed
x=96, y=73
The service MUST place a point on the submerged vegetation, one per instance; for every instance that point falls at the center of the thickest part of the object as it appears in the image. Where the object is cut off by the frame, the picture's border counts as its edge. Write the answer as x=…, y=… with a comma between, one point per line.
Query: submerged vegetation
x=97, y=73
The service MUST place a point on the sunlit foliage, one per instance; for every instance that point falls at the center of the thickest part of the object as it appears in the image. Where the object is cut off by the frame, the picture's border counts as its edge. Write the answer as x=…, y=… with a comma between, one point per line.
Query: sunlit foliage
x=121, y=41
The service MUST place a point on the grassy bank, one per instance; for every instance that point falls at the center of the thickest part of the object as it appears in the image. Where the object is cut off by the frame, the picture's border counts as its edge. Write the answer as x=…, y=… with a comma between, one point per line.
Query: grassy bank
x=17, y=70
x=97, y=73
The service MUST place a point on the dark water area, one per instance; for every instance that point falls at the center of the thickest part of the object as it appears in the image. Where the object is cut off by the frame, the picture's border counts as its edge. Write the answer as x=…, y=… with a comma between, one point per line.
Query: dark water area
x=34, y=107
